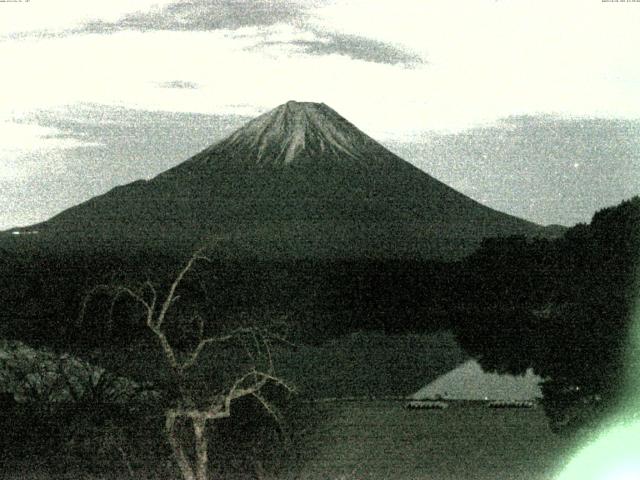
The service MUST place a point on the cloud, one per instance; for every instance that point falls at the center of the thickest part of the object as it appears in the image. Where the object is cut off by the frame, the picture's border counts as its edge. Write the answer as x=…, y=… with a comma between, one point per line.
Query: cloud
x=355, y=47
x=545, y=168
x=92, y=148
x=236, y=15
x=82, y=17
x=201, y=15
x=179, y=84
x=22, y=138
x=139, y=143
x=62, y=17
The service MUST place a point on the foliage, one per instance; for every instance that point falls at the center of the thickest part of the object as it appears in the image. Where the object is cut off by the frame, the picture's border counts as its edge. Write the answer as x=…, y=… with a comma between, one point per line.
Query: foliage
x=563, y=307
x=71, y=416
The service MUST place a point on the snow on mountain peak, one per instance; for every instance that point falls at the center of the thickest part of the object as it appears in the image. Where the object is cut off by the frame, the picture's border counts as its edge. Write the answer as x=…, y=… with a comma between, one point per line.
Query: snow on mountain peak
x=296, y=132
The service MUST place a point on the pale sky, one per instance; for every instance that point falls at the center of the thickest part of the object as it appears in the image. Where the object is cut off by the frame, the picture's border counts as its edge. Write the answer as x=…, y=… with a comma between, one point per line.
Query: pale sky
x=531, y=107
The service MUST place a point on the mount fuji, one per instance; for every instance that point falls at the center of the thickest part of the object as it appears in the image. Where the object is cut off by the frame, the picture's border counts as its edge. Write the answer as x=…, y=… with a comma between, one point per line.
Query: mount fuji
x=299, y=181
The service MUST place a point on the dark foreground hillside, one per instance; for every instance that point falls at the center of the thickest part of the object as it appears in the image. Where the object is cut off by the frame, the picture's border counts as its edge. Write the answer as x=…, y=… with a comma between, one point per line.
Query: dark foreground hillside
x=376, y=440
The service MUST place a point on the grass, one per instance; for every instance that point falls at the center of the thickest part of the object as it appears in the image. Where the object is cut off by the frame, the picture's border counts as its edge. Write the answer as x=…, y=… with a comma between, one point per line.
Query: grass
x=467, y=441
x=380, y=439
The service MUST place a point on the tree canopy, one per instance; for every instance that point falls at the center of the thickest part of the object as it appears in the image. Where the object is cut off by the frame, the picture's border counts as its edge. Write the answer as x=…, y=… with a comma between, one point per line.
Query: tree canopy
x=562, y=307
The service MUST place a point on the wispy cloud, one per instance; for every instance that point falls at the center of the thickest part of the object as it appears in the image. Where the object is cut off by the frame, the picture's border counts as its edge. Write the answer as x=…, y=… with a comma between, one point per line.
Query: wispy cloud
x=545, y=168
x=259, y=16
x=91, y=149
x=182, y=84
x=355, y=47
x=139, y=143
x=202, y=15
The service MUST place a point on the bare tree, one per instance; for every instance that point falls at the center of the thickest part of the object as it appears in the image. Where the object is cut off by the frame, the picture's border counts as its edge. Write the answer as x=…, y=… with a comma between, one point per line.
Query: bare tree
x=199, y=411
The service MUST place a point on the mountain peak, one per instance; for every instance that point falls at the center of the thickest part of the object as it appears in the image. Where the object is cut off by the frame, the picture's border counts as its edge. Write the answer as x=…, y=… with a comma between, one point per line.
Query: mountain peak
x=293, y=133
x=294, y=104
x=295, y=108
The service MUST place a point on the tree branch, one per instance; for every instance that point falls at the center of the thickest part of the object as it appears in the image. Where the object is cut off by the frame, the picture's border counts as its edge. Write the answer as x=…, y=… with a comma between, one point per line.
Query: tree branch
x=193, y=358
x=87, y=297
x=171, y=297
x=268, y=407
x=154, y=293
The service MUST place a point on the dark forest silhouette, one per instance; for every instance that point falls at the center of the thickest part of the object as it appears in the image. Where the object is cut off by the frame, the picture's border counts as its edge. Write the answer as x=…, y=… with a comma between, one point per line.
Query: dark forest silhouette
x=563, y=307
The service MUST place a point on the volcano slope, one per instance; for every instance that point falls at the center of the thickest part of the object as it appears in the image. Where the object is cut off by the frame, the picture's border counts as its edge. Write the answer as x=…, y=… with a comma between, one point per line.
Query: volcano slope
x=297, y=182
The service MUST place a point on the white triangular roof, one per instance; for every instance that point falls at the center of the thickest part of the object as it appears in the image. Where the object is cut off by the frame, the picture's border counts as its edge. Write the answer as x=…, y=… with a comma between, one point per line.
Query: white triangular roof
x=469, y=382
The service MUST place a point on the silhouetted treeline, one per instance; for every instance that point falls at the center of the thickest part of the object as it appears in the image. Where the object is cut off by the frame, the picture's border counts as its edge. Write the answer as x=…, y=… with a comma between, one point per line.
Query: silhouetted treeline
x=44, y=289
x=563, y=307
